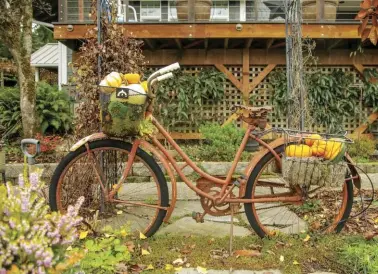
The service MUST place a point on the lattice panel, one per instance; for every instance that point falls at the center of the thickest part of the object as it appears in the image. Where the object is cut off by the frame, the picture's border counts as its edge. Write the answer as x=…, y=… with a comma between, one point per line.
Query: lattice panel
x=261, y=96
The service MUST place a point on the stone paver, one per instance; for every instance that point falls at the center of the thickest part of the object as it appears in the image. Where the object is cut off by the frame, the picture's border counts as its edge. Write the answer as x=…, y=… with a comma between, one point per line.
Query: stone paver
x=187, y=225
x=211, y=271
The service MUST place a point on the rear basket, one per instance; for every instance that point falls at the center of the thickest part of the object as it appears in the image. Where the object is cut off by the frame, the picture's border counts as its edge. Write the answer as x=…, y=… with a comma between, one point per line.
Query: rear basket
x=322, y=165
x=119, y=117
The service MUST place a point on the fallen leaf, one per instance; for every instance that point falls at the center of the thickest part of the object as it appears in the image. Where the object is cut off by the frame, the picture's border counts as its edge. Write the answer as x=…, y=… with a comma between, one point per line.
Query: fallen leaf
x=142, y=236
x=83, y=235
x=130, y=246
x=212, y=240
x=282, y=258
x=305, y=217
x=69, y=248
x=247, y=253
x=271, y=252
x=370, y=235
x=295, y=262
x=201, y=270
x=145, y=252
x=187, y=265
x=119, y=212
x=178, y=268
x=168, y=267
x=376, y=221
x=307, y=238
x=178, y=262
x=150, y=267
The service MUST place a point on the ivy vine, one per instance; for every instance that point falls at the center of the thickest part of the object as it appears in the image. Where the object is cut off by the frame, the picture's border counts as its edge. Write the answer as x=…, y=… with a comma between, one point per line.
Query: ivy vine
x=179, y=100
x=331, y=97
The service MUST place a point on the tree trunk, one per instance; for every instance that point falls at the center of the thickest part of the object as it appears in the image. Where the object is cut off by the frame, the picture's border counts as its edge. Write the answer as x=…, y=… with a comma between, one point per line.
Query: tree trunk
x=22, y=56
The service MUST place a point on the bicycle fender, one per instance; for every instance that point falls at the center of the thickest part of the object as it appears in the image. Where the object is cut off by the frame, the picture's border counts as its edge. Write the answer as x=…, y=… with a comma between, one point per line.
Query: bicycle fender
x=280, y=141
x=90, y=138
x=252, y=164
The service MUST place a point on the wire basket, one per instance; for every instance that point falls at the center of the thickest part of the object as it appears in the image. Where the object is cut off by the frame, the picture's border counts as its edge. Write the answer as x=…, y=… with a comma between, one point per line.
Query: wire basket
x=122, y=110
x=314, y=159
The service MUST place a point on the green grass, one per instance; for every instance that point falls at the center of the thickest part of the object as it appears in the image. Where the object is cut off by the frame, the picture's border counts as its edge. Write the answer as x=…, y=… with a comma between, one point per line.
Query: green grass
x=323, y=253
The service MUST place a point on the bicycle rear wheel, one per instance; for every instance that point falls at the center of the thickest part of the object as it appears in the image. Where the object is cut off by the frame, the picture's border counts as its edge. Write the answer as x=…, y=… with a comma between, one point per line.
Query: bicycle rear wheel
x=325, y=210
x=145, y=188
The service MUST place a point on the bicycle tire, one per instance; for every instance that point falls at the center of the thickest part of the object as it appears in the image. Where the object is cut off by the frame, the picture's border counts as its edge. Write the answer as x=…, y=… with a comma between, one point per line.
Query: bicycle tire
x=250, y=213
x=116, y=144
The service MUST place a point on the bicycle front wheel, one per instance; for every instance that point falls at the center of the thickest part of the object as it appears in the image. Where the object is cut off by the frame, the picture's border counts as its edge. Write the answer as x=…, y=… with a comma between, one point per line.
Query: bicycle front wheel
x=324, y=210
x=139, y=202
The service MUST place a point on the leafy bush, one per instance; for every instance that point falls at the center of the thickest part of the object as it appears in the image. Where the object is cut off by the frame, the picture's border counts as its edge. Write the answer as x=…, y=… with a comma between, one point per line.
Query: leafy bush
x=102, y=254
x=32, y=239
x=362, y=148
x=370, y=95
x=179, y=100
x=221, y=143
x=53, y=108
x=331, y=97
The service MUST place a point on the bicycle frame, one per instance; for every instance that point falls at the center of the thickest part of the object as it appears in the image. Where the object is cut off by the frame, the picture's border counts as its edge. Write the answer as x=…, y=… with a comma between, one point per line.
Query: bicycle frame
x=227, y=184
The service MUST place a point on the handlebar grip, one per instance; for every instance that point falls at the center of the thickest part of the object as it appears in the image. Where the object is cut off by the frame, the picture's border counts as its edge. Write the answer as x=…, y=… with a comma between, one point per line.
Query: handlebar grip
x=26, y=142
x=169, y=68
x=165, y=76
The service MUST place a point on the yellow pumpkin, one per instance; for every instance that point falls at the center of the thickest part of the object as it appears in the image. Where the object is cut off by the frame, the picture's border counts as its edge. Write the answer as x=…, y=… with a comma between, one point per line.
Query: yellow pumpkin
x=144, y=85
x=319, y=148
x=132, y=78
x=312, y=138
x=301, y=151
x=114, y=79
x=333, y=148
x=104, y=87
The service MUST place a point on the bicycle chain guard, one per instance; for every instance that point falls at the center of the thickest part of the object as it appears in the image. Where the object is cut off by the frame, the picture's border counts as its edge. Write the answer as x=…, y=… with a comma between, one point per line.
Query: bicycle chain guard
x=208, y=205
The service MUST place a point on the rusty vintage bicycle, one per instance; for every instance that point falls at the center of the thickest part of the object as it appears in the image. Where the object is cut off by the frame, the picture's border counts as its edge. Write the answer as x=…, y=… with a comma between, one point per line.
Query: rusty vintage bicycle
x=124, y=182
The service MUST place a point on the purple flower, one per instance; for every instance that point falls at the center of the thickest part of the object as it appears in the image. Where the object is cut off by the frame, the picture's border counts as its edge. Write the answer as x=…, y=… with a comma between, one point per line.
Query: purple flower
x=25, y=197
x=21, y=181
x=34, y=181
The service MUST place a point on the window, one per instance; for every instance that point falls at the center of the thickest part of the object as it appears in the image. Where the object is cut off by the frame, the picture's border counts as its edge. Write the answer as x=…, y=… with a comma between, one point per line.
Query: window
x=220, y=10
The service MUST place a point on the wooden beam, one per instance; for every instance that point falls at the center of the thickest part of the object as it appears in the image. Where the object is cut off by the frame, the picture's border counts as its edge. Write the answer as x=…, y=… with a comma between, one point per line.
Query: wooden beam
x=230, y=119
x=259, y=57
x=206, y=43
x=360, y=68
x=371, y=119
x=245, y=79
x=230, y=76
x=257, y=80
x=150, y=43
x=269, y=43
x=81, y=10
x=334, y=44
x=193, y=44
x=248, y=43
x=209, y=30
x=178, y=43
x=226, y=43
x=278, y=45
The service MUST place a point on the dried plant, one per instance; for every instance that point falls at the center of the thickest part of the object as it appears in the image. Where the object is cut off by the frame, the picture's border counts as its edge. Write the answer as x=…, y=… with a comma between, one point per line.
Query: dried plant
x=117, y=52
x=368, y=12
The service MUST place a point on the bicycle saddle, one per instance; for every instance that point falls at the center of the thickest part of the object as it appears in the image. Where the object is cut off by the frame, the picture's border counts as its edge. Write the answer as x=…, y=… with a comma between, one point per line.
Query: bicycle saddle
x=256, y=116
x=253, y=110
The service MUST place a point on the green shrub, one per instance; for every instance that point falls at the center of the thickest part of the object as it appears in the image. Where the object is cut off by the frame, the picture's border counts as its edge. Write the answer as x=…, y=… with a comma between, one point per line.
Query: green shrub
x=362, y=148
x=221, y=143
x=32, y=239
x=102, y=254
x=53, y=108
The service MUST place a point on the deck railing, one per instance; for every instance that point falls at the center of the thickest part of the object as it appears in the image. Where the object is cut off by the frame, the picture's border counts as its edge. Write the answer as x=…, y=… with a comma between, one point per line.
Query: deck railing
x=209, y=11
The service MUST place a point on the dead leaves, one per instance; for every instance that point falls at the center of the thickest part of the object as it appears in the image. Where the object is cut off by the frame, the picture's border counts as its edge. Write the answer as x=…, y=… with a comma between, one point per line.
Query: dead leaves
x=247, y=253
